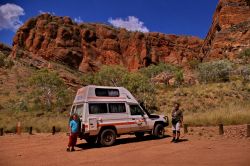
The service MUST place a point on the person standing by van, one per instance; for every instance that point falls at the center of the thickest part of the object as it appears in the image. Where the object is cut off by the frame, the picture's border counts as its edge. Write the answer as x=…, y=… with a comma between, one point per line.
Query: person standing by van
x=177, y=121
x=73, y=125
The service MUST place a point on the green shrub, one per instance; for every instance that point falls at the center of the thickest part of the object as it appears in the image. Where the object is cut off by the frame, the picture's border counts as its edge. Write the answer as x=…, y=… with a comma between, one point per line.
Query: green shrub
x=49, y=89
x=5, y=61
x=245, y=73
x=215, y=71
x=87, y=79
x=179, y=78
x=245, y=54
x=9, y=63
x=153, y=70
x=111, y=76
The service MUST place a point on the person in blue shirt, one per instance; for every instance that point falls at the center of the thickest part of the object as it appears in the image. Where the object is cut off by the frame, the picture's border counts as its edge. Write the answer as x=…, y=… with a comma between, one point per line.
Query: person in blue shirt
x=73, y=125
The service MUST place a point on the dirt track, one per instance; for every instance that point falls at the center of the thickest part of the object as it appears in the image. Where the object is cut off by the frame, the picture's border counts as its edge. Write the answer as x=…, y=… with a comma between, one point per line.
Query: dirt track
x=201, y=147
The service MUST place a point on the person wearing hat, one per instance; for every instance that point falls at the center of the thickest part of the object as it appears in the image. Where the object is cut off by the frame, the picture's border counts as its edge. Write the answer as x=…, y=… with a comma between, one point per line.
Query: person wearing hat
x=177, y=121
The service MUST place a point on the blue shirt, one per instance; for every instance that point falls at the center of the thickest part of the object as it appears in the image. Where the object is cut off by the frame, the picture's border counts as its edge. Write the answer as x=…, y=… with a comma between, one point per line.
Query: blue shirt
x=74, y=126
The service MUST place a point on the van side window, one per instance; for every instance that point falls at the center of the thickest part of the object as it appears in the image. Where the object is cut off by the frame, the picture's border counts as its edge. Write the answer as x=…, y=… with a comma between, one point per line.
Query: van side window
x=117, y=107
x=98, y=108
x=107, y=92
x=136, y=110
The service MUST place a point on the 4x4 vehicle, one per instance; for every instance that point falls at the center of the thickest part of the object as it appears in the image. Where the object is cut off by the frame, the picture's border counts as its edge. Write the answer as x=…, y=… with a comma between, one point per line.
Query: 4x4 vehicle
x=108, y=112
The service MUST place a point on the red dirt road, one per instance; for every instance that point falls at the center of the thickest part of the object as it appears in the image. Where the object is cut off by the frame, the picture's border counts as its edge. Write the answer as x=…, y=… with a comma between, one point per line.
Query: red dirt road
x=202, y=146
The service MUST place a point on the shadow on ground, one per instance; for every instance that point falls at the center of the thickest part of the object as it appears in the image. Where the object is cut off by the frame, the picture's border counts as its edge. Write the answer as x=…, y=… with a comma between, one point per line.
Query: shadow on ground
x=182, y=140
x=121, y=141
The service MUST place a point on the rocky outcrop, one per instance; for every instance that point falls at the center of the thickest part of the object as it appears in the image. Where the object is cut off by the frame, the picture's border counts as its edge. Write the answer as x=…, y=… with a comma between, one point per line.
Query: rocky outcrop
x=88, y=46
x=229, y=33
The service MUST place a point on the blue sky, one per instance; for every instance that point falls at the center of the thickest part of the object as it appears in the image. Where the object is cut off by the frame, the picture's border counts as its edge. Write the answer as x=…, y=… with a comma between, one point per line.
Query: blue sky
x=181, y=17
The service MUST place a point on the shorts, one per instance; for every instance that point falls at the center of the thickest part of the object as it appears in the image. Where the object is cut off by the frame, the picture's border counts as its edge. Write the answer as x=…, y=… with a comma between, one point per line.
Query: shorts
x=176, y=127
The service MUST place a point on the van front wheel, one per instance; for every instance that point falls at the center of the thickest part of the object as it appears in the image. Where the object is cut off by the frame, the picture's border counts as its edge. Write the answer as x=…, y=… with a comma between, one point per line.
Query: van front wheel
x=107, y=137
x=159, y=131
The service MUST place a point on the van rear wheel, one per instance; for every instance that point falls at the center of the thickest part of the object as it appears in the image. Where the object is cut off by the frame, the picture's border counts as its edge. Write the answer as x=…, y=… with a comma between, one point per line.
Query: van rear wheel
x=107, y=137
x=159, y=131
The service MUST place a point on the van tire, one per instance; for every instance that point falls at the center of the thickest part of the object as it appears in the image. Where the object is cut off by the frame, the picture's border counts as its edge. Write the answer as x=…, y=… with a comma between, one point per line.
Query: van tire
x=107, y=137
x=139, y=134
x=159, y=131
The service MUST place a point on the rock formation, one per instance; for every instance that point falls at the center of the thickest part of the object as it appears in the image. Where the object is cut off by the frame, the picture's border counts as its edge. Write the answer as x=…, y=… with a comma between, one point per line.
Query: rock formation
x=229, y=33
x=88, y=46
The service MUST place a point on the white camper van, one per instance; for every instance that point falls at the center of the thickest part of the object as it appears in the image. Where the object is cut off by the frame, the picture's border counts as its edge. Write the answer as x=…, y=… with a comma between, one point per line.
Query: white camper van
x=108, y=112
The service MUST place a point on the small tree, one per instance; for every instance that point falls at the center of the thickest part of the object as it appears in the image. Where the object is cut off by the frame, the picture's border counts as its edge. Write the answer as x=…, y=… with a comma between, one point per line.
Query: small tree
x=153, y=70
x=215, y=71
x=245, y=56
x=245, y=53
x=110, y=76
x=5, y=62
x=179, y=78
x=245, y=73
x=87, y=78
x=142, y=88
x=48, y=88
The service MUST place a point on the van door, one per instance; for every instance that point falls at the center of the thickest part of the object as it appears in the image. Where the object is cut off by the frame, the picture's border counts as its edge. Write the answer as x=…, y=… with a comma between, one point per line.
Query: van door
x=138, y=118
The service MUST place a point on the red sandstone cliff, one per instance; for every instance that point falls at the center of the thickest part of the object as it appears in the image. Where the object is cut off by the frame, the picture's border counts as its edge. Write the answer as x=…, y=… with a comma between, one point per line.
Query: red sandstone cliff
x=229, y=33
x=88, y=46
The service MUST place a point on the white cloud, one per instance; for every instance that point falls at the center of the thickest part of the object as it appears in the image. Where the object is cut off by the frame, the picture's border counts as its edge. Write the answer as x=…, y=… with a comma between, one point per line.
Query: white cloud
x=132, y=23
x=43, y=12
x=78, y=19
x=10, y=16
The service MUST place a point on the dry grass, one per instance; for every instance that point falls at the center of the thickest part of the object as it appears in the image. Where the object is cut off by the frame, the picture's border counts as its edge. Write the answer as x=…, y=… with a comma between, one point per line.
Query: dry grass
x=40, y=122
x=210, y=104
x=231, y=114
x=203, y=97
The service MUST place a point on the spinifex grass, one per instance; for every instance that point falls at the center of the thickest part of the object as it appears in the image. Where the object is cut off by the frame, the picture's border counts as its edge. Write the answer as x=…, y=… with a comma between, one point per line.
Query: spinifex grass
x=231, y=114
